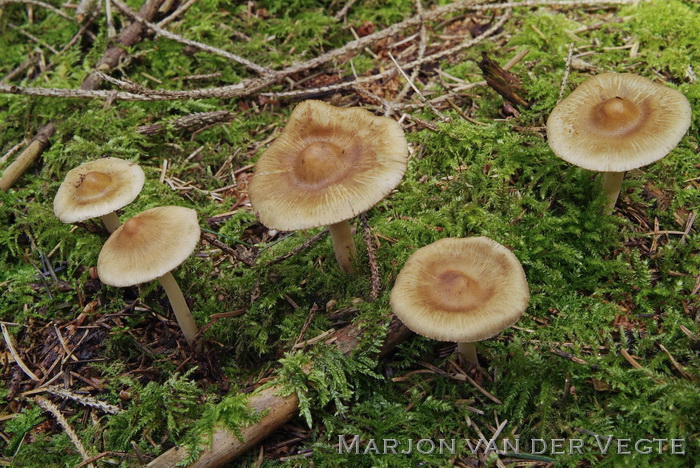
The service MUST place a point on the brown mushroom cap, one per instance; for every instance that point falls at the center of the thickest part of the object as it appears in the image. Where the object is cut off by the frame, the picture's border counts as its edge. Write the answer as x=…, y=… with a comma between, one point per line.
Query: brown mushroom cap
x=461, y=290
x=97, y=188
x=616, y=122
x=328, y=165
x=148, y=246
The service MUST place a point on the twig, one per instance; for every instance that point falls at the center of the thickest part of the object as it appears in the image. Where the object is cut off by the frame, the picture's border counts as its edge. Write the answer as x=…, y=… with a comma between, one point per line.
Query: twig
x=422, y=45
x=167, y=34
x=344, y=11
x=12, y=151
x=33, y=38
x=15, y=354
x=84, y=400
x=39, y=4
x=180, y=10
x=298, y=248
x=567, y=70
x=211, y=239
x=277, y=409
x=26, y=158
x=199, y=119
x=678, y=367
x=417, y=91
x=53, y=409
x=375, y=279
x=111, y=32
x=85, y=7
x=430, y=58
x=30, y=62
x=307, y=322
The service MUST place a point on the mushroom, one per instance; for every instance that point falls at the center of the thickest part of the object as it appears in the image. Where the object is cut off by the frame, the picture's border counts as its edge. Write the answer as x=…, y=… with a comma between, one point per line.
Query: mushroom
x=147, y=247
x=328, y=165
x=98, y=188
x=615, y=122
x=461, y=290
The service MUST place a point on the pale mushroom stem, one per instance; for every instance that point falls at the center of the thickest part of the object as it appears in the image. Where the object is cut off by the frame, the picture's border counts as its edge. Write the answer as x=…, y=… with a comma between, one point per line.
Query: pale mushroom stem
x=111, y=221
x=182, y=312
x=612, y=183
x=468, y=352
x=343, y=245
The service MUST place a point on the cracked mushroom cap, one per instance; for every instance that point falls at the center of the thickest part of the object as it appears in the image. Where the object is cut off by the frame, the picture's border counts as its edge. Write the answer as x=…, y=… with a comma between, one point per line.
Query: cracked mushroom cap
x=97, y=188
x=461, y=290
x=328, y=165
x=148, y=246
x=615, y=122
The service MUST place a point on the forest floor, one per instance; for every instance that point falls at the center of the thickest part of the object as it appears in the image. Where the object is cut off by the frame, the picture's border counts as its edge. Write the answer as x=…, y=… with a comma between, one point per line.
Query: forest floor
x=607, y=350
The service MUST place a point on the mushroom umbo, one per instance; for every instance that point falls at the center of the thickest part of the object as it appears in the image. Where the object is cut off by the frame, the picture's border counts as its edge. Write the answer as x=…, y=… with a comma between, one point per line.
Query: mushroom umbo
x=328, y=165
x=615, y=122
x=147, y=247
x=462, y=290
x=98, y=188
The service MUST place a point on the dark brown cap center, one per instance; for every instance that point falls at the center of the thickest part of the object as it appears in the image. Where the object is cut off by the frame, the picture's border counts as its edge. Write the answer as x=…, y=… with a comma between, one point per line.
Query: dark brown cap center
x=455, y=291
x=617, y=116
x=132, y=227
x=93, y=185
x=321, y=162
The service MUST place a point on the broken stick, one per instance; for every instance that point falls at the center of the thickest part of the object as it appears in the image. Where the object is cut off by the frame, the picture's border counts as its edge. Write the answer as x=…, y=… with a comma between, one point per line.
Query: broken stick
x=226, y=446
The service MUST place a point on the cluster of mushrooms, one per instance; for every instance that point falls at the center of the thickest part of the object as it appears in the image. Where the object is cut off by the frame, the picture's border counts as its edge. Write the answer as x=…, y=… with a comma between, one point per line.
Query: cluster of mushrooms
x=330, y=164
x=148, y=246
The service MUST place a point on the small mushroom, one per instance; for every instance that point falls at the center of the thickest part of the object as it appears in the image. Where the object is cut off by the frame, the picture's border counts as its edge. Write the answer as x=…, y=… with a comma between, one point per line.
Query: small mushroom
x=461, y=290
x=147, y=247
x=98, y=188
x=328, y=165
x=615, y=122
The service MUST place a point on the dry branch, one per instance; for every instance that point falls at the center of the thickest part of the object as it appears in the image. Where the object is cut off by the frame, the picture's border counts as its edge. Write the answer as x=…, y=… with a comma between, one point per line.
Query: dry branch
x=503, y=82
x=20, y=165
x=200, y=119
x=53, y=409
x=251, y=86
x=124, y=8
x=226, y=446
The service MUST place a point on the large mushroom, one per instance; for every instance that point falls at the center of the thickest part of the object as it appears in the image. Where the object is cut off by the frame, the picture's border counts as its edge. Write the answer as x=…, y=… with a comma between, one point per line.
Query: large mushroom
x=461, y=290
x=98, y=188
x=328, y=165
x=615, y=122
x=147, y=247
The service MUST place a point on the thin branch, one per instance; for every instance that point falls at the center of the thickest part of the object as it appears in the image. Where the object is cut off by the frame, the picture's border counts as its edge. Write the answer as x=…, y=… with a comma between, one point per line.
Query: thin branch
x=567, y=70
x=344, y=11
x=167, y=34
x=15, y=354
x=180, y=10
x=3, y=3
x=378, y=76
x=111, y=32
x=27, y=157
x=53, y=409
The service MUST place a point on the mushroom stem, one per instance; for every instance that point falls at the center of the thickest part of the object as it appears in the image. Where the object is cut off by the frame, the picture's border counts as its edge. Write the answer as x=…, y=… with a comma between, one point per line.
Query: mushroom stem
x=468, y=352
x=111, y=221
x=612, y=183
x=343, y=245
x=182, y=312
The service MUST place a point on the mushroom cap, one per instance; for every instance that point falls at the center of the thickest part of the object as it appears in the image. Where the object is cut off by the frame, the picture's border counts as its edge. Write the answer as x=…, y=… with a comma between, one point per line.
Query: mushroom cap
x=614, y=122
x=97, y=188
x=461, y=290
x=328, y=165
x=148, y=246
